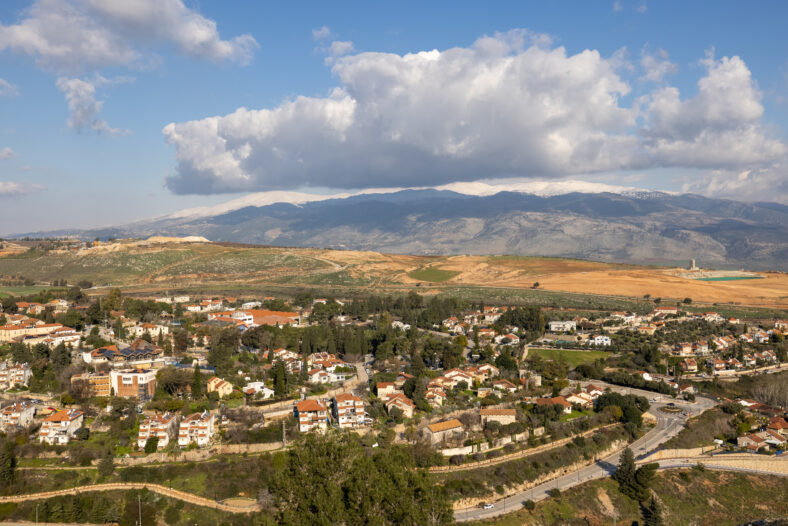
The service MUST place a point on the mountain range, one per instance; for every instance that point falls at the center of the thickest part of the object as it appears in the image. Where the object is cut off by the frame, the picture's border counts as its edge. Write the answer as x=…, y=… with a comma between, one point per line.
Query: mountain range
x=624, y=225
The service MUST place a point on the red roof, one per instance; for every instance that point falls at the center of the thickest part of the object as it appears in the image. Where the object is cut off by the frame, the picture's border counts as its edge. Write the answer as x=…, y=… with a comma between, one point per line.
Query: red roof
x=305, y=406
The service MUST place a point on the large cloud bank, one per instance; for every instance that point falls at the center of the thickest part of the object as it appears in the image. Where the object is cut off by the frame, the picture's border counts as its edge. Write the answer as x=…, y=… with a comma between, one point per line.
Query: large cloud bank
x=510, y=105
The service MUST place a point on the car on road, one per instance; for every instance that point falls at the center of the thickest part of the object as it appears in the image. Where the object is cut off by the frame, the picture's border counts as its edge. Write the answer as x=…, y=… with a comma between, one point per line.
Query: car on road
x=488, y=506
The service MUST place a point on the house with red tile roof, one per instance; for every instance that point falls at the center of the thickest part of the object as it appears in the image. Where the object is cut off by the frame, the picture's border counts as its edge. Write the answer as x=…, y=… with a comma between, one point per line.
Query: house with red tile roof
x=60, y=427
x=446, y=430
x=311, y=414
x=401, y=402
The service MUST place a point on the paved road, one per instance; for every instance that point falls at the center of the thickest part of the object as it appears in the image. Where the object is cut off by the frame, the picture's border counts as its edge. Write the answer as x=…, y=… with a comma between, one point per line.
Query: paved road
x=668, y=425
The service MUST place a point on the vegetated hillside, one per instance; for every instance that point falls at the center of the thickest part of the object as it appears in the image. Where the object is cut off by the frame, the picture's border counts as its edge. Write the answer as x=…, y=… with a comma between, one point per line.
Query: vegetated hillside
x=637, y=227
x=166, y=265
x=688, y=497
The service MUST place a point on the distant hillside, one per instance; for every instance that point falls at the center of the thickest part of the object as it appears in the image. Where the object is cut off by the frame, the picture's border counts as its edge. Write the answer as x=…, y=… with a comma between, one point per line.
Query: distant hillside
x=167, y=264
x=632, y=227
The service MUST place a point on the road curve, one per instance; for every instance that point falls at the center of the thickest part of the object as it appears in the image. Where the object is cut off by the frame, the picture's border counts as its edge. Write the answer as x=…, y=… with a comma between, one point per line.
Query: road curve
x=668, y=425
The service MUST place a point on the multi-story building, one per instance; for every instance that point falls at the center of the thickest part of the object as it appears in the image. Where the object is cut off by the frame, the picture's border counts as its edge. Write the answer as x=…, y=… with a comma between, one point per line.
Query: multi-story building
x=197, y=428
x=14, y=374
x=139, y=354
x=134, y=383
x=18, y=414
x=60, y=427
x=161, y=426
x=93, y=384
x=311, y=414
x=348, y=410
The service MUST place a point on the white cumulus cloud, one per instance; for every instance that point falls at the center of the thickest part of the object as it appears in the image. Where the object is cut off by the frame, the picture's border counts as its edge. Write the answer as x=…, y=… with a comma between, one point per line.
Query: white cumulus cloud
x=341, y=47
x=73, y=36
x=503, y=106
x=6, y=153
x=510, y=105
x=719, y=128
x=656, y=66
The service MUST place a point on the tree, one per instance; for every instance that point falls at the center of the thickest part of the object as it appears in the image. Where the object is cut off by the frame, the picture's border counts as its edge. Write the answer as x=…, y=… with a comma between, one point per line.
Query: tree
x=280, y=378
x=106, y=466
x=359, y=486
x=7, y=464
x=625, y=474
x=652, y=514
x=197, y=383
x=180, y=341
x=632, y=482
x=151, y=445
x=172, y=516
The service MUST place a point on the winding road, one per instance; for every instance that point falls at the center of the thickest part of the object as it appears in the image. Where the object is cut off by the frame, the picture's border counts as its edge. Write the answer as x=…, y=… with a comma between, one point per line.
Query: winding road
x=668, y=425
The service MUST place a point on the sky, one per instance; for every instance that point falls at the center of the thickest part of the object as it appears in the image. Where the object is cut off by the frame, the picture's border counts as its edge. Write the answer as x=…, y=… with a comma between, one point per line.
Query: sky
x=117, y=110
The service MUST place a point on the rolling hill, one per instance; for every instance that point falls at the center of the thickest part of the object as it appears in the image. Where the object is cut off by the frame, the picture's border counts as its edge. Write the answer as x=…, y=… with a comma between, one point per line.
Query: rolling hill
x=161, y=264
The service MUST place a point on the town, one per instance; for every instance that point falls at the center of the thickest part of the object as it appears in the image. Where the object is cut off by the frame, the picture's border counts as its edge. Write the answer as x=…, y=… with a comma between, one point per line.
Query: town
x=110, y=379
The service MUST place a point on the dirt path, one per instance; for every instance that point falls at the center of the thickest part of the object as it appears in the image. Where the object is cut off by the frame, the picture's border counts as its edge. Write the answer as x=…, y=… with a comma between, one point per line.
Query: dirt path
x=156, y=488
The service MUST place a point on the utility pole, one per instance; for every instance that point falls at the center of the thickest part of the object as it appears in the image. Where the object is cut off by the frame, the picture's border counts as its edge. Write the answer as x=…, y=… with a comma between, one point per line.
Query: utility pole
x=139, y=505
x=284, y=436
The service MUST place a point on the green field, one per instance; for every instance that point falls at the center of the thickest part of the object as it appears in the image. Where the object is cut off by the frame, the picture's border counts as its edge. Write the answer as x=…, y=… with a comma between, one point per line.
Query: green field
x=433, y=275
x=21, y=290
x=573, y=358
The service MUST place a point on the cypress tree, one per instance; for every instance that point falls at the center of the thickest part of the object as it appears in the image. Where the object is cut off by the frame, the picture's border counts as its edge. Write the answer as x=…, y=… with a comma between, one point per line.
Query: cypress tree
x=652, y=514
x=625, y=474
x=7, y=464
x=197, y=383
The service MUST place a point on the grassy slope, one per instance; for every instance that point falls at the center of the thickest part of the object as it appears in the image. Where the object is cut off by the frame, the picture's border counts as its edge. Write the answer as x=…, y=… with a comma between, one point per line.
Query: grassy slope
x=573, y=358
x=702, y=430
x=718, y=498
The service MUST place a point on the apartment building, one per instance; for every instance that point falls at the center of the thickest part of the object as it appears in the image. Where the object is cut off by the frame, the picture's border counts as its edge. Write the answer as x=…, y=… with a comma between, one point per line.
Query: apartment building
x=93, y=384
x=134, y=383
x=161, y=426
x=348, y=411
x=197, y=428
x=17, y=414
x=14, y=374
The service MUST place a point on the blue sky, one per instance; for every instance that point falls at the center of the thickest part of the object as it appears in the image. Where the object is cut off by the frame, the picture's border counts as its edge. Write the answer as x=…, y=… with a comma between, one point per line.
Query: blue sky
x=598, y=91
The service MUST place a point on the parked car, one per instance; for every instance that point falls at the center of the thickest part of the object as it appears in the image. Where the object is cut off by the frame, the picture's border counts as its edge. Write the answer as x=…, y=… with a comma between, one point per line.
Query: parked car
x=489, y=506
